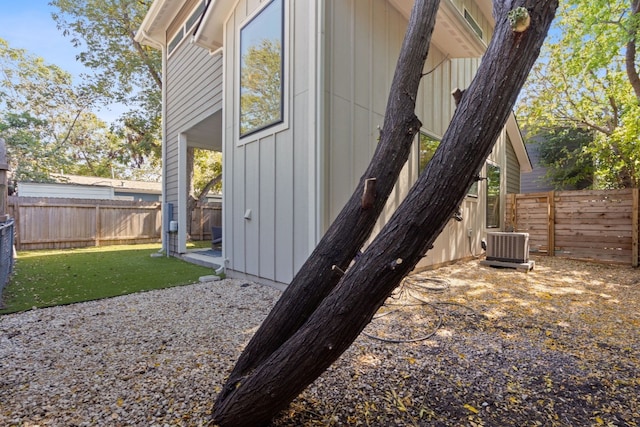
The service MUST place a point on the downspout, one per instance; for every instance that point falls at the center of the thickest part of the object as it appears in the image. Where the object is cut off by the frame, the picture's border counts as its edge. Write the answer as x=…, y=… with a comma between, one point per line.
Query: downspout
x=165, y=240
x=317, y=72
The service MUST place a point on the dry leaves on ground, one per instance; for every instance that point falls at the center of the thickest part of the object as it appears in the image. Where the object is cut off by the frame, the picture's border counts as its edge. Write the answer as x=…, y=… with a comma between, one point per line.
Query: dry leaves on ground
x=558, y=346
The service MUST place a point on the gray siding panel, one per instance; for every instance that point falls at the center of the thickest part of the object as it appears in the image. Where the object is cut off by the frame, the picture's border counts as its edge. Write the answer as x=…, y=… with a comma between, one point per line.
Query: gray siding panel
x=284, y=211
x=269, y=172
x=363, y=42
x=513, y=170
x=267, y=189
x=194, y=90
x=252, y=201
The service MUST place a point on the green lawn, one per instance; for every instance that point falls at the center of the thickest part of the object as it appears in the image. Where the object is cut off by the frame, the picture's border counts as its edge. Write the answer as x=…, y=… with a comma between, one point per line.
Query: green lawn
x=47, y=278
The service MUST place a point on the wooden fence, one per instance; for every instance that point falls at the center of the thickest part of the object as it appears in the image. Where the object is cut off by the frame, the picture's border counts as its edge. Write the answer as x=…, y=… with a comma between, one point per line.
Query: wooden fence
x=592, y=225
x=56, y=223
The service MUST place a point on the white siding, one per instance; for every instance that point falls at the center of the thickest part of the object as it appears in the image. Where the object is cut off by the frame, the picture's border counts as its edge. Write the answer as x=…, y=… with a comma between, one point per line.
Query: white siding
x=362, y=44
x=269, y=174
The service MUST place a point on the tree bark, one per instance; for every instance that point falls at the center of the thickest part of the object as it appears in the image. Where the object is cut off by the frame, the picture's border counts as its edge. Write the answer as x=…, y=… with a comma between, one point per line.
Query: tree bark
x=341, y=316
x=354, y=225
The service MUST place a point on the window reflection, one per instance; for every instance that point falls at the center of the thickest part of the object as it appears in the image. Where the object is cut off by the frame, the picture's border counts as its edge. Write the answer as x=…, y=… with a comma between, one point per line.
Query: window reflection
x=493, y=196
x=261, y=70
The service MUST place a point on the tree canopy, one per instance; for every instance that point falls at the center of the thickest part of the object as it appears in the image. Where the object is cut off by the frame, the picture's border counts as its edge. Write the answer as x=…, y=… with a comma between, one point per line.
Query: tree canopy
x=125, y=71
x=588, y=78
x=47, y=121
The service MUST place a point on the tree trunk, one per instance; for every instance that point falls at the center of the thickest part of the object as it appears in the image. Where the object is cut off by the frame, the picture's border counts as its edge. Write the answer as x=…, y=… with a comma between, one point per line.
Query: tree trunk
x=341, y=316
x=630, y=55
x=354, y=225
x=192, y=202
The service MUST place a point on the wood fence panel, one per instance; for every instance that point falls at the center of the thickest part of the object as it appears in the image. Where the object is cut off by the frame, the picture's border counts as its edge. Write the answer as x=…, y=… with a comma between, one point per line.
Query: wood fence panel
x=205, y=216
x=56, y=223
x=531, y=216
x=596, y=225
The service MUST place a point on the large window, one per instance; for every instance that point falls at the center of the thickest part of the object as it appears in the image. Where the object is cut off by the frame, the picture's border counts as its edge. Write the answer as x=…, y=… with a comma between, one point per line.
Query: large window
x=194, y=17
x=261, y=70
x=493, y=196
x=428, y=145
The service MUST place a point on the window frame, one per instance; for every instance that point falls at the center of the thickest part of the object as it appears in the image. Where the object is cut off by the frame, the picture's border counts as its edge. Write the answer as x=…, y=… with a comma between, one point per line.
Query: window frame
x=498, y=201
x=470, y=193
x=282, y=122
x=184, y=28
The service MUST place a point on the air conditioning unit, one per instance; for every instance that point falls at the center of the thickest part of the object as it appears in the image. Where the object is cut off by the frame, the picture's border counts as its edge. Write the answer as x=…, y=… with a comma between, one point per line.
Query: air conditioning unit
x=508, y=247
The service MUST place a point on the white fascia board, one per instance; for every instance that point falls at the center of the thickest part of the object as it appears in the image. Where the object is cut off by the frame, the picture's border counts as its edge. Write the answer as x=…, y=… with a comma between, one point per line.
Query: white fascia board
x=210, y=34
x=452, y=33
x=154, y=26
x=513, y=130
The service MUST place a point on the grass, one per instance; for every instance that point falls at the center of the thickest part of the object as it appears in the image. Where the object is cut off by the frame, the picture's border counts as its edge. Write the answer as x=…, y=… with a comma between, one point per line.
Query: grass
x=56, y=277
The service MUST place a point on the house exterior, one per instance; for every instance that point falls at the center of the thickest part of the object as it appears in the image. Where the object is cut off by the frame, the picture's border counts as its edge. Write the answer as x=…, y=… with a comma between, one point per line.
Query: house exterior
x=89, y=187
x=293, y=93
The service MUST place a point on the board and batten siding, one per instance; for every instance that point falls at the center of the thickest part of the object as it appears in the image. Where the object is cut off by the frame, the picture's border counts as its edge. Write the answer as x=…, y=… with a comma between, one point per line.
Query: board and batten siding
x=193, y=92
x=472, y=7
x=269, y=181
x=363, y=42
x=512, y=169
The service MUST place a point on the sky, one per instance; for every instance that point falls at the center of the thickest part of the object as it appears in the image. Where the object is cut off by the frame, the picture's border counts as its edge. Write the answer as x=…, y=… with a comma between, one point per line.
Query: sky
x=27, y=24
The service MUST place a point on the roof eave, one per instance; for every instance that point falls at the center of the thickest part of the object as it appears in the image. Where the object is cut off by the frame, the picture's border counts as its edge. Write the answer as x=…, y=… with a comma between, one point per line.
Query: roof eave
x=513, y=130
x=152, y=31
x=210, y=33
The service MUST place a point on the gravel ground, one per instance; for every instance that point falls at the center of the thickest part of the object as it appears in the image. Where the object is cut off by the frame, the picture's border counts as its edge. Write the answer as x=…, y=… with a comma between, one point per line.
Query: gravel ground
x=476, y=347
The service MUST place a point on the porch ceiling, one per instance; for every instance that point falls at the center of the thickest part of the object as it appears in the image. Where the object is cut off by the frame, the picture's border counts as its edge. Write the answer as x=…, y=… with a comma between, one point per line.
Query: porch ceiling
x=207, y=134
x=452, y=34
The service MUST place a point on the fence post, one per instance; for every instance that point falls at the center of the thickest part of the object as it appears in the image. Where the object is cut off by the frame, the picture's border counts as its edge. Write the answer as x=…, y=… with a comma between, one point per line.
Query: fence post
x=4, y=167
x=551, y=227
x=16, y=222
x=635, y=227
x=514, y=211
x=98, y=231
x=201, y=221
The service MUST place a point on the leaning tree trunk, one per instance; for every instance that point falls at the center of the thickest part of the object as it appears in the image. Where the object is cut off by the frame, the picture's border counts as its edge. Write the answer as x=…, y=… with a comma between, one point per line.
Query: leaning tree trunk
x=341, y=316
x=354, y=224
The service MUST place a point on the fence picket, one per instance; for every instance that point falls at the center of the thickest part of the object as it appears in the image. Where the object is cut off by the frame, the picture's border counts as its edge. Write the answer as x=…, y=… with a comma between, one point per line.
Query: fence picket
x=57, y=223
x=601, y=225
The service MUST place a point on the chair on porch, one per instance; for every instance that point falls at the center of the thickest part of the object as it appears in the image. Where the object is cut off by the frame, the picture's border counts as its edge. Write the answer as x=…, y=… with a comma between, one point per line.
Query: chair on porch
x=216, y=237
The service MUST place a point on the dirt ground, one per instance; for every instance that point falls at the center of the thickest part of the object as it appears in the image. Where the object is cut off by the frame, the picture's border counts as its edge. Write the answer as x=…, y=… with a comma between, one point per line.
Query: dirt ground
x=469, y=345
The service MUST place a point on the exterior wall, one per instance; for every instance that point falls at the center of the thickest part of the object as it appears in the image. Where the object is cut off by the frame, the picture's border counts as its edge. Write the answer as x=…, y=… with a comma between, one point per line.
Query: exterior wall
x=472, y=7
x=283, y=186
x=513, y=169
x=363, y=41
x=437, y=107
x=193, y=83
x=269, y=179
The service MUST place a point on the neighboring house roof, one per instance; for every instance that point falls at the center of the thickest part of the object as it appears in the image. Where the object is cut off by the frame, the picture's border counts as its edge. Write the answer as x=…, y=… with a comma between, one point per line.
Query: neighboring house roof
x=116, y=184
x=536, y=181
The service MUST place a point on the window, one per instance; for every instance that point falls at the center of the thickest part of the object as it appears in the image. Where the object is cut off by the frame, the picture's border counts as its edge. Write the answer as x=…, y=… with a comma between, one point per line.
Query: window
x=176, y=40
x=493, y=196
x=428, y=145
x=194, y=17
x=473, y=23
x=261, y=70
